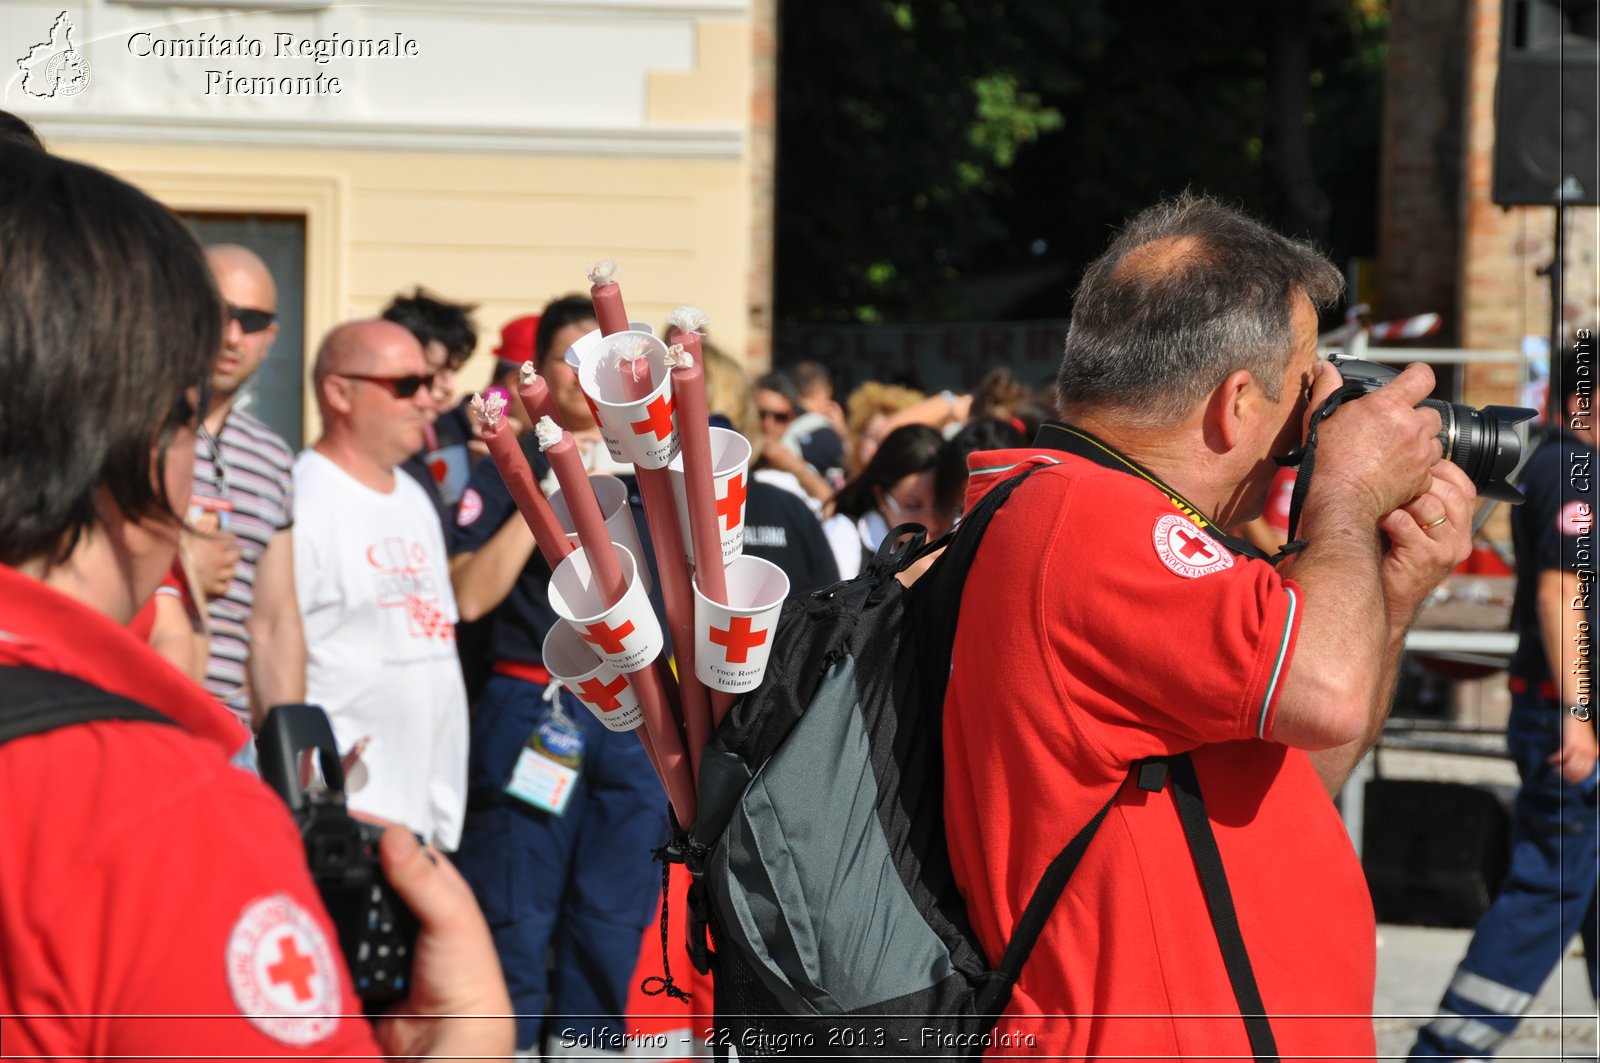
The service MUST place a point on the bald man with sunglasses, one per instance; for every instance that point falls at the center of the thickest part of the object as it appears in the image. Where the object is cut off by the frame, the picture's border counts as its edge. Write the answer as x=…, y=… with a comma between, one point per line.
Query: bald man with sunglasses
x=374, y=585
x=241, y=512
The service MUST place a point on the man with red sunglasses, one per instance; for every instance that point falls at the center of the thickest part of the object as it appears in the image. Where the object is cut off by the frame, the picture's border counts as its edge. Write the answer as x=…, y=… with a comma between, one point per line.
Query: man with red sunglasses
x=374, y=586
x=242, y=512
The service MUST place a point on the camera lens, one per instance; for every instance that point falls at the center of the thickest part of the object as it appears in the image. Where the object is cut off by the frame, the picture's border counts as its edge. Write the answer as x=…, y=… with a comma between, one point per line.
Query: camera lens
x=1490, y=445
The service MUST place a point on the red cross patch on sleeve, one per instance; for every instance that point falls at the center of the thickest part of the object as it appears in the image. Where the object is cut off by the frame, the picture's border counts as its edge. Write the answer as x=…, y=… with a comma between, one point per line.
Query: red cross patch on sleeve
x=1187, y=550
x=282, y=972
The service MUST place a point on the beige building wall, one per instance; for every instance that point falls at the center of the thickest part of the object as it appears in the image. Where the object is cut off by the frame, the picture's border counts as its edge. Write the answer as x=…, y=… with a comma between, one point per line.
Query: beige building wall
x=506, y=218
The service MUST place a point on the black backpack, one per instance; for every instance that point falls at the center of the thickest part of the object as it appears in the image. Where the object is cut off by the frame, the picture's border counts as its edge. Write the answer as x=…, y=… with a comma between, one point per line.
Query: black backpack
x=819, y=861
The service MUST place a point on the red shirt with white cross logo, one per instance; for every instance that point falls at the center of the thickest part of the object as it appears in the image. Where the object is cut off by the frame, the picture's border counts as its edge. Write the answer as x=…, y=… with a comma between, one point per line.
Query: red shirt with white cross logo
x=1100, y=625
x=154, y=899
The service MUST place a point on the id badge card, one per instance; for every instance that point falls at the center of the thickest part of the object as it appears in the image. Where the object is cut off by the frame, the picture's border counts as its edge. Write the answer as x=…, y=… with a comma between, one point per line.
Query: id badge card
x=546, y=770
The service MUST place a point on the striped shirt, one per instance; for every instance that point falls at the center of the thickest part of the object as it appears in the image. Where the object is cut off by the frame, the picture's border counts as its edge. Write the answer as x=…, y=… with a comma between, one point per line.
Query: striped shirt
x=247, y=466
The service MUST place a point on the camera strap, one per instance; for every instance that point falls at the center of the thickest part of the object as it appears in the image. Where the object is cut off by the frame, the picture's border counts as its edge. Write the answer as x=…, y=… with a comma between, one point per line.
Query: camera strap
x=1305, y=456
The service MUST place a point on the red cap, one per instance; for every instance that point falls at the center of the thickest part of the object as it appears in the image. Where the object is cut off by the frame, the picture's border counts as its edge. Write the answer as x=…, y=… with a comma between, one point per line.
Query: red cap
x=516, y=339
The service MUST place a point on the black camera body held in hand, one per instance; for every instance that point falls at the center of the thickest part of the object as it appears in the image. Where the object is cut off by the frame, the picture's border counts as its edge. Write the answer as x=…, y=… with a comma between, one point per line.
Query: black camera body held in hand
x=377, y=932
x=1490, y=445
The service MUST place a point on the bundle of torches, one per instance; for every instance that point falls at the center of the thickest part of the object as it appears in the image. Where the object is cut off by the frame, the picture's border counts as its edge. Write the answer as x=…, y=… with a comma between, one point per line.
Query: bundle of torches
x=649, y=399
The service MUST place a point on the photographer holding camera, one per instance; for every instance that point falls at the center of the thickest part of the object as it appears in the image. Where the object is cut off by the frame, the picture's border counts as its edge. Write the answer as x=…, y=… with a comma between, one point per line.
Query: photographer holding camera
x=154, y=900
x=1133, y=627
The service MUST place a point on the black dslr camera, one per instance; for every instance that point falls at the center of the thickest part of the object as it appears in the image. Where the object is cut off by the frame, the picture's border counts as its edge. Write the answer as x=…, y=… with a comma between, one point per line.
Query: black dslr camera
x=1490, y=445
x=377, y=932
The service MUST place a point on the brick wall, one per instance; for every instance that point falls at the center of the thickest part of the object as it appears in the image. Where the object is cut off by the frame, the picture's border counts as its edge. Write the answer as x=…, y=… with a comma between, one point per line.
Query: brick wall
x=1449, y=248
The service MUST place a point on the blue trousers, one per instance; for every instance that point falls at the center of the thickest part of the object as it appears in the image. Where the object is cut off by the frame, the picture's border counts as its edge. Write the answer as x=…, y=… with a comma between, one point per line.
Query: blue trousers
x=581, y=885
x=1548, y=896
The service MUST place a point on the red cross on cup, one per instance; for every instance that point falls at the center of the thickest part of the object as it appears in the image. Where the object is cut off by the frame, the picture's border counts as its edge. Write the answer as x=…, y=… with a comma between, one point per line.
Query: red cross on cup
x=659, y=421
x=603, y=696
x=730, y=505
x=738, y=639
x=606, y=638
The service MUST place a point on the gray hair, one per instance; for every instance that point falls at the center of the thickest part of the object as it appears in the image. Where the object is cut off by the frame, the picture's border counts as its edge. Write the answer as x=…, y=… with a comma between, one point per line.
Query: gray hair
x=1188, y=292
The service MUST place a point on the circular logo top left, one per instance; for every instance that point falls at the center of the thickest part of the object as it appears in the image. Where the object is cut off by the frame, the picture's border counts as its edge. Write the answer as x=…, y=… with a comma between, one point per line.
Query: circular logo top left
x=55, y=67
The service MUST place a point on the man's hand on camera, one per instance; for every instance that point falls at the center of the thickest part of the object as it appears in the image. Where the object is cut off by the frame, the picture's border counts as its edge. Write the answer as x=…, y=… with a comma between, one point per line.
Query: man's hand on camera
x=458, y=1004
x=1379, y=447
x=1428, y=537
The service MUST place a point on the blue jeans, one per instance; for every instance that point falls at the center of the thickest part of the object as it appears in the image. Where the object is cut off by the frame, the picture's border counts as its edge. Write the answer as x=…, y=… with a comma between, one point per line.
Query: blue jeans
x=582, y=883
x=1548, y=896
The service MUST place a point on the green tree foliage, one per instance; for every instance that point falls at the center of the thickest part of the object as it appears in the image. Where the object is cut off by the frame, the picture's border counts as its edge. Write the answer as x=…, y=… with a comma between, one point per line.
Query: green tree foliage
x=895, y=119
x=927, y=144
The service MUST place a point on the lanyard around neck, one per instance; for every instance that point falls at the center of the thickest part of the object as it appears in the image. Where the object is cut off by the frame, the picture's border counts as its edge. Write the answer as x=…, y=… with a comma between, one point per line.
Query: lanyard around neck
x=1075, y=441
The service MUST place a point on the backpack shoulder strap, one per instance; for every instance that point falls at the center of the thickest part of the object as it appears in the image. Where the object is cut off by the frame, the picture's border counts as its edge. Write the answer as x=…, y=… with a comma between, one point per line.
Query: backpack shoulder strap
x=1152, y=775
x=33, y=701
x=1219, y=899
x=937, y=595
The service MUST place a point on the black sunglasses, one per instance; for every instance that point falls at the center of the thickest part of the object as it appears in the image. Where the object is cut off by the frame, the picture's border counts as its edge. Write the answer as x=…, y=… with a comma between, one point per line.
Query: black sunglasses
x=775, y=415
x=403, y=387
x=252, y=320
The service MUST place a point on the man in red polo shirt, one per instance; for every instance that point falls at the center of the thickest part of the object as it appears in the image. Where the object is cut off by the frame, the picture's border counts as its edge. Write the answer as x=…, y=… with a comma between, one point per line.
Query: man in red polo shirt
x=154, y=900
x=1132, y=627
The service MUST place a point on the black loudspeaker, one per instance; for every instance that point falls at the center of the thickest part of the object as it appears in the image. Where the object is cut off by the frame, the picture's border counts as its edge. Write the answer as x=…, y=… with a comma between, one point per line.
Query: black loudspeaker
x=1434, y=852
x=1545, y=143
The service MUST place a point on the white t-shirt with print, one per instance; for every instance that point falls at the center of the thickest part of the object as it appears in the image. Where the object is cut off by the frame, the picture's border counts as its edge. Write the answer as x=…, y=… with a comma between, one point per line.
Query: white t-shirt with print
x=373, y=581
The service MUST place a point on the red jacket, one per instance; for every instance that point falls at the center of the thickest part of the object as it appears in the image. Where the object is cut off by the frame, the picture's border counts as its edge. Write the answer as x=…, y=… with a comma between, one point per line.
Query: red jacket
x=1099, y=626
x=154, y=900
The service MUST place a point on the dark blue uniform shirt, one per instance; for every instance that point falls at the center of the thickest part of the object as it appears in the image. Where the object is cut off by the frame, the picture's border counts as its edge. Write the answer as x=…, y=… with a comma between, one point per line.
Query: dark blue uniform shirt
x=1553, y=529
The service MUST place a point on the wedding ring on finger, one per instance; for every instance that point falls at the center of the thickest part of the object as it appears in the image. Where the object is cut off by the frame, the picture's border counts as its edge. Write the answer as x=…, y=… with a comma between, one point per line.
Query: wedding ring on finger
x=1434, y=523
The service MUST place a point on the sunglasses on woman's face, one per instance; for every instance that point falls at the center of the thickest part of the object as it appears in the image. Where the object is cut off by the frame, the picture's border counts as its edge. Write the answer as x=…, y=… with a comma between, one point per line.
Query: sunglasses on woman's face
x=402, y=387
x=252, y=320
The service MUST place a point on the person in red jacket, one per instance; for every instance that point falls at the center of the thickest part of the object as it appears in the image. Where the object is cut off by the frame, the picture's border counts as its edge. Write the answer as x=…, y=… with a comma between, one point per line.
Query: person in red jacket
x=154, y=900
x=1107, y=619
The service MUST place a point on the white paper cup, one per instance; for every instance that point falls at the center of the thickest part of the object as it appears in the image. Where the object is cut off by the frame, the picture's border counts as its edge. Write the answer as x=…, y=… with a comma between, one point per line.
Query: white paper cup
x=612, y=494
x=626, y=635
x=574, y=355
x=606, y=692
x=730, y=479
x=641, y=431
x=732, y=642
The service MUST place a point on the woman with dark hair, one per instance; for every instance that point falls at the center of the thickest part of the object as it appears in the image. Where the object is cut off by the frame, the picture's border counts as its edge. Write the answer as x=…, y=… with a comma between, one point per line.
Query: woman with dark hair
x=950, y=472
x=896, y=487
x=141, y=875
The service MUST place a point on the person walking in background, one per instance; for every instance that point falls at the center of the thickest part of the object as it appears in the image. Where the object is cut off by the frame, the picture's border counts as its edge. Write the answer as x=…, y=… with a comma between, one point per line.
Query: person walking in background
x=779, y=464
x=778, y=526
x=243, y=506
x=895, y=488
x=817, y=431
x=373, y=581
x=1550, y=888
x=448, y=337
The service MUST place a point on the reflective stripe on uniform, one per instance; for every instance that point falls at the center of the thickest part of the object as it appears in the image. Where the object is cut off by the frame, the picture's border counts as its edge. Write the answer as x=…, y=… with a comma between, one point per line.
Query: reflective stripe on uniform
x=1277, y=665
x=1493, y=996
x=1465, y=1031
